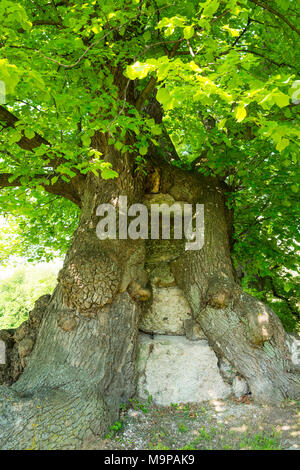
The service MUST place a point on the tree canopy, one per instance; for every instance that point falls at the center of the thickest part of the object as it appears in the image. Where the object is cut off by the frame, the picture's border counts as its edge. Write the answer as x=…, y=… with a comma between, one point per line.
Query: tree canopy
x=226, y=75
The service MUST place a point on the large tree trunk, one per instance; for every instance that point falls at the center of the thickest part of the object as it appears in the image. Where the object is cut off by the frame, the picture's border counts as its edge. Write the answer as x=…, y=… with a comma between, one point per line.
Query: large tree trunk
x=83, y=362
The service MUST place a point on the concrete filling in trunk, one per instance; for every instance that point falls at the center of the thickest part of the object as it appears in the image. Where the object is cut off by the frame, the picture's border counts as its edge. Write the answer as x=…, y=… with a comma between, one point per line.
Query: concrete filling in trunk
x=173, y=369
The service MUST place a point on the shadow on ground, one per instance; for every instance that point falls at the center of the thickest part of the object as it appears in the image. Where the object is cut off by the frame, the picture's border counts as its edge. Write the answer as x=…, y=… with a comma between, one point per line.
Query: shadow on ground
x=218, y=424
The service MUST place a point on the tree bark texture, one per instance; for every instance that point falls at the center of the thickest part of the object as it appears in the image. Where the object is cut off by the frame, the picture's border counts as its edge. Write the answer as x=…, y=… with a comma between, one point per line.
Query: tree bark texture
x=73, y=363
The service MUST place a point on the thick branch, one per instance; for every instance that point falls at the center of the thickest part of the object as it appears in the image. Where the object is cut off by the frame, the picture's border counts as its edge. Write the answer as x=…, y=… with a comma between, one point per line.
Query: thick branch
x=146, y=92
x=9, y=120
x=153, y=80
x=60, y=188
x=45, y=23
x=69, y=190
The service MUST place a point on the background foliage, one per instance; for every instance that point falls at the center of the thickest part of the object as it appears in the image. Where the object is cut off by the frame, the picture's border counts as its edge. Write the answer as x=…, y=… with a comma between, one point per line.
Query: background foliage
x=19, y=291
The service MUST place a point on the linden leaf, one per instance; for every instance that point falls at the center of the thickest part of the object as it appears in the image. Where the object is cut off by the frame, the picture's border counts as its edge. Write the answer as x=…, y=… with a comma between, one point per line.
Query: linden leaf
x=240, y=113
x=188, y=32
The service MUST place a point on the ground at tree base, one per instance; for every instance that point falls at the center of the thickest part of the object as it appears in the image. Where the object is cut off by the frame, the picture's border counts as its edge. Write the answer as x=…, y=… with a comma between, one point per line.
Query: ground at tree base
x=215, y=425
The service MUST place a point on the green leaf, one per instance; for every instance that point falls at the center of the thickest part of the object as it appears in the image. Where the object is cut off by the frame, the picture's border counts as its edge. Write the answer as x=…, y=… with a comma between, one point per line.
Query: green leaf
x=164, y=97
x=118, y=145
x=86, y=140
x=286, y=203
x=108, y=173
x=210, y=7
x=156, y=130
x=295, y=188
x=143, y=150
x=54, y=179
x=282, y=144
x=140, y=70
x=281, y=99
x=9, y=75
x=284, y=4
x=29, y=133
x=188, y=32
x=240, y=113
x=15, y=136
x=287, y=287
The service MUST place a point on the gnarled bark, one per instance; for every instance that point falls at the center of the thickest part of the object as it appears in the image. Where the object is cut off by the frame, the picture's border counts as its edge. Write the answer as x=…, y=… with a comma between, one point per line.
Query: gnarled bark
x=83, y=362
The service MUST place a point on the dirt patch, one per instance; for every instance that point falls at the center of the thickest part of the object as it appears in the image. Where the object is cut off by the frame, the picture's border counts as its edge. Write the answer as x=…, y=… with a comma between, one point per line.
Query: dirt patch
x=218, y=424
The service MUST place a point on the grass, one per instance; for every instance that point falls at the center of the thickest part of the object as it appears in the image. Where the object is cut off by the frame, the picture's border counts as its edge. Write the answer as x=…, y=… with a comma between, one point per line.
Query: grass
x=182, y=427
x=140, y=405
x=203, y=440
x=114, y=429
x=261, y=442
